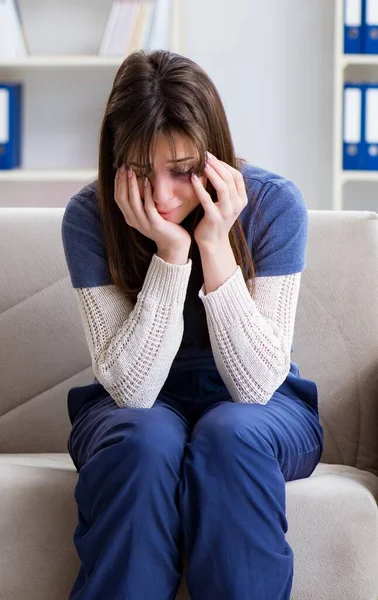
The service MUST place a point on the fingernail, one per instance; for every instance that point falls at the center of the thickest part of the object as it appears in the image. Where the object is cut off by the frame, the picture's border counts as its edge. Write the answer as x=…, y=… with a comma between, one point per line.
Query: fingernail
x=122, y=169
x=117, y=173
x=210, y=155
x=129, y=172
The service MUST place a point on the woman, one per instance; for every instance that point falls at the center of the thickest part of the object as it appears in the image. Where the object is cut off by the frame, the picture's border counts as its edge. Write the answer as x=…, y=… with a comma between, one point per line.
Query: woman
x=187, y=276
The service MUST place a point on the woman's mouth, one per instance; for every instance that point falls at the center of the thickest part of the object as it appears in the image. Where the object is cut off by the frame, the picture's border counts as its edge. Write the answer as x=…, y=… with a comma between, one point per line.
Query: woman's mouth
x=166, y=214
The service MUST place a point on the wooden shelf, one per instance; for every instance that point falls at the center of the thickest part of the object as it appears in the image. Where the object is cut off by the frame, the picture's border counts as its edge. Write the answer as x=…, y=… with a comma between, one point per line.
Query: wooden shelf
x=76, y=60
x=359, y=59
x=42, y=175
x=346, y=176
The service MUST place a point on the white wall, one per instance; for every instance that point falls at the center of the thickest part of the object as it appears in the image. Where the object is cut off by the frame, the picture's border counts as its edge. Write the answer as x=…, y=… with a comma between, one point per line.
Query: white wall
x=272, y=61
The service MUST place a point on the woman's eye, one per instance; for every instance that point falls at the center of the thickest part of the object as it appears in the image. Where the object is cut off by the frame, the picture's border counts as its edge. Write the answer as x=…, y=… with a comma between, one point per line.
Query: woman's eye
x=181, y=173
x=174, y=173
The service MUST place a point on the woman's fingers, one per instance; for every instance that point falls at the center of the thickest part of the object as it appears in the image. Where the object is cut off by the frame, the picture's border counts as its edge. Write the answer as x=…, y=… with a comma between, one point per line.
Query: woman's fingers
x=116, y=186
x=136, y=201
x=143, y=217
x=128, y=199
x=121, y=196
x=149, y=205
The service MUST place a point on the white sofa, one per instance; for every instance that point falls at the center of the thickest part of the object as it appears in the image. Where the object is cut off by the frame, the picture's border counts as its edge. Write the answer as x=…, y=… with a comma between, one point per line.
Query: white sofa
x=333, y=515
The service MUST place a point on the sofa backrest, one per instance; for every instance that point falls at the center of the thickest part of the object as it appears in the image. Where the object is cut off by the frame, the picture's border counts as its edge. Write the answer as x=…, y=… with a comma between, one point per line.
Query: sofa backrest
x=336, y=332
x=43, y=352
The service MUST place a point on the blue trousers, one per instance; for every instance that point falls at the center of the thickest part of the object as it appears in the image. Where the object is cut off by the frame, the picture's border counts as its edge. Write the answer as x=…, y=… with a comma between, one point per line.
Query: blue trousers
x=196, y=474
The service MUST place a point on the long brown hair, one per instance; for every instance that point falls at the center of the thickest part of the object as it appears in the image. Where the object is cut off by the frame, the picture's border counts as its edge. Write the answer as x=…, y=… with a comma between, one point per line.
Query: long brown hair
x=159, y=92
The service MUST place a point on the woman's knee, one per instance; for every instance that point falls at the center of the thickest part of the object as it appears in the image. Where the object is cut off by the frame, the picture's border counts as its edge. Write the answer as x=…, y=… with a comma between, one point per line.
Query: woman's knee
x=150, y=436
x=229, y=425
x=136, y=450
x=151, y=433
x=156, y=435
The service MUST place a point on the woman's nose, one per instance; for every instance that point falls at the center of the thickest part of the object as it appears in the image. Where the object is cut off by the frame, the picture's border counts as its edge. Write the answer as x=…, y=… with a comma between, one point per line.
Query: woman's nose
x=161, y=190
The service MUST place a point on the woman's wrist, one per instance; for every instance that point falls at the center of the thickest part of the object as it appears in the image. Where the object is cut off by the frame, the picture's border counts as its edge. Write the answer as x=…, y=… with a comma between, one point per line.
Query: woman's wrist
x=175, y=257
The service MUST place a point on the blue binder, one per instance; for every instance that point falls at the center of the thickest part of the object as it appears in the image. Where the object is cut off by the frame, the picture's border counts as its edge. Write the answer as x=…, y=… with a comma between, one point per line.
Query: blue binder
x=353, y=26
x=370, y=34
x=10, y=125
x=371, y=127
x=354, y=126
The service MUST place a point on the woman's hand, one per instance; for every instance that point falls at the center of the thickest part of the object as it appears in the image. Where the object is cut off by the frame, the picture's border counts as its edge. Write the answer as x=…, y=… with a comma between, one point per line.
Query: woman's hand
x=168, y=236
x=214, y=227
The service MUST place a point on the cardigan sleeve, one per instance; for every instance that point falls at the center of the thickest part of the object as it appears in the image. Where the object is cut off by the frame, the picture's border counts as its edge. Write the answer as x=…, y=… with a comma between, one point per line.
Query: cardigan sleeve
x=251, y=337
x=131, y=347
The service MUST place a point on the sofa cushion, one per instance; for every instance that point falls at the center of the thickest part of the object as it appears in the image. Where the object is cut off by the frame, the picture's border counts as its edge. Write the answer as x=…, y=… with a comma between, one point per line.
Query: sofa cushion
x=39, y=515
x=333, y=530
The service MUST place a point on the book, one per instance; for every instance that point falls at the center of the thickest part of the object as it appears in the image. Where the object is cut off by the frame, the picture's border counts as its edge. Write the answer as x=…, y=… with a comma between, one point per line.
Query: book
x=12, y=36
x=136, y=24
x=160, y=35
x=11, y=101
x=119, y=27
x=137, y=36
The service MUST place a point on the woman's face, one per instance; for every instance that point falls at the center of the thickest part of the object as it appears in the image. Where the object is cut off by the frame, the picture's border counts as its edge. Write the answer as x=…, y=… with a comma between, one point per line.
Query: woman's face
x=172, y=189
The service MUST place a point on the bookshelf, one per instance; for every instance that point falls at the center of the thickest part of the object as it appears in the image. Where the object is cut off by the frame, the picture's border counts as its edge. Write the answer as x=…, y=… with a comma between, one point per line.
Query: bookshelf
x=359, y=67
x=43, y=175
x=64, y=98
x=90, y=60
